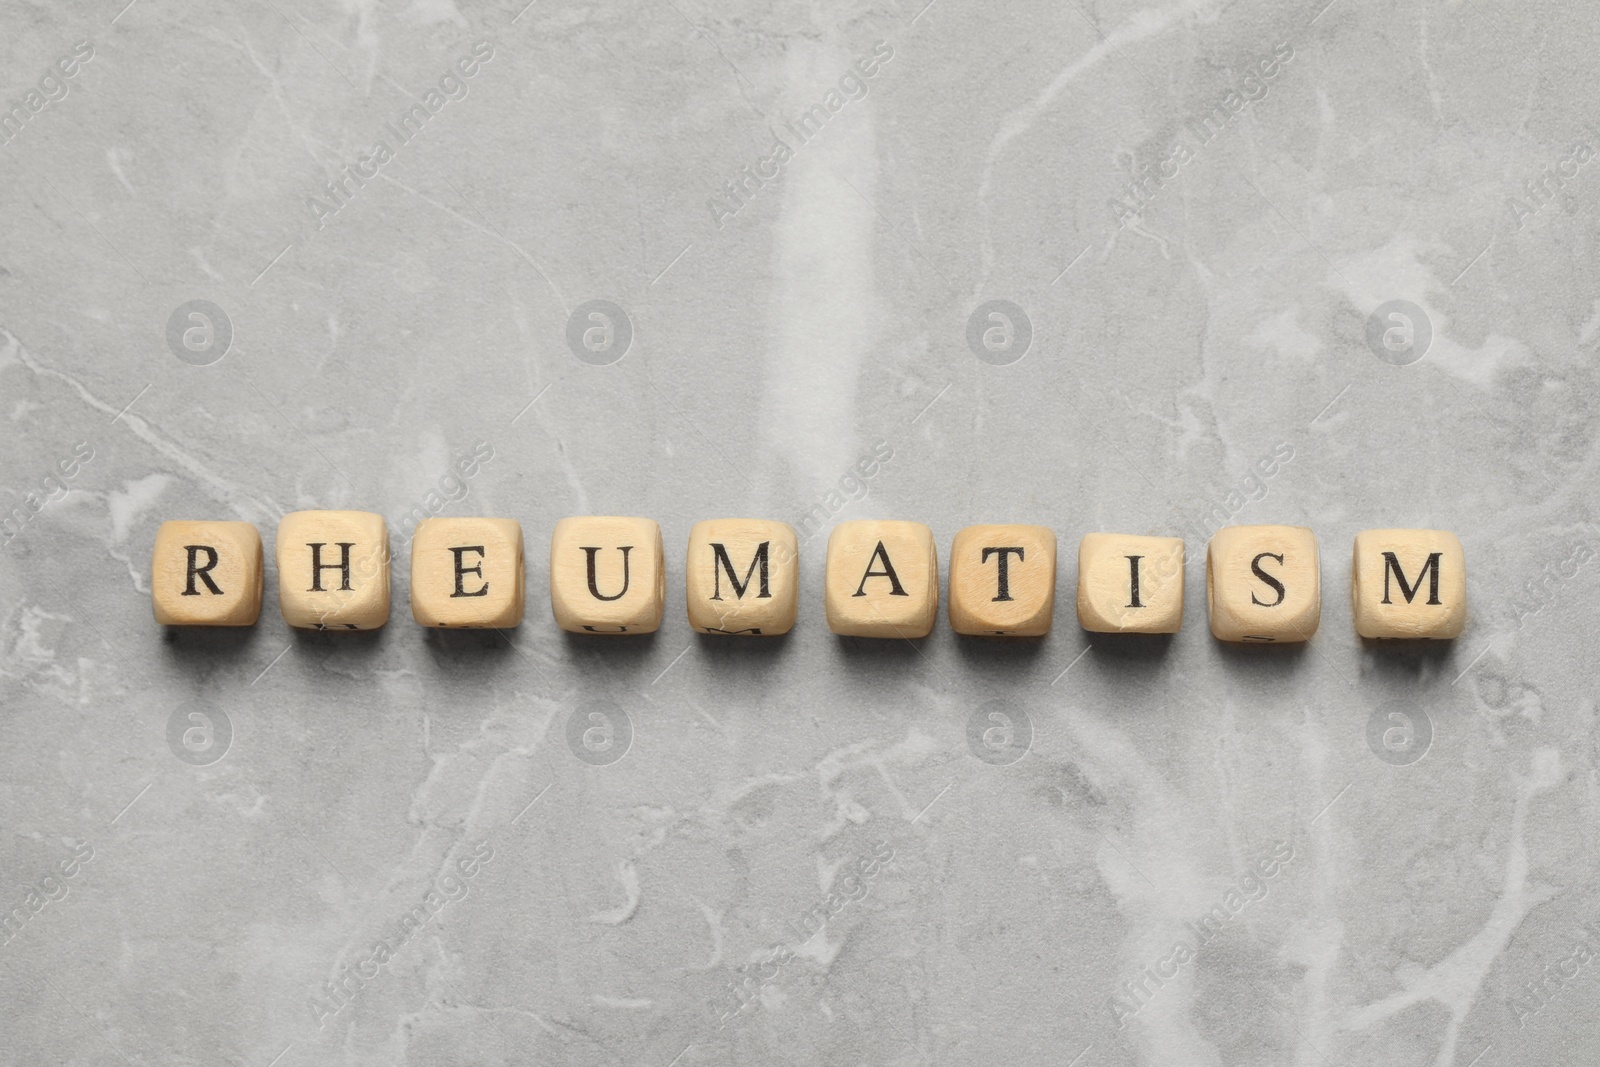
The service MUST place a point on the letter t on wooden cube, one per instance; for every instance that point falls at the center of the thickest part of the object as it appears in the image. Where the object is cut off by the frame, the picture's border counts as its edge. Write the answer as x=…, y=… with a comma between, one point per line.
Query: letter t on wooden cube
x=333, y=570
x=206, y=574
x=607, y=575
x=1263, y=583
x=467, y=573
x=1129, y=584
x=1003, y=580
x=1408, y=583
x=882, y=579
x=742, y=576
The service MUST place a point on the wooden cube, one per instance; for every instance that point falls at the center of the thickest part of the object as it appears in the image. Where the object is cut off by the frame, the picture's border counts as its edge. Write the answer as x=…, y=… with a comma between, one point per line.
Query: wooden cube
x=467, y=573
x=1408, y=583
x=1263, y=583
x=607, y=575
x=882, y=579
x=206, y=574
x=333, y=570
x=1129, y=584
x=1003, y=580
x=742, y=576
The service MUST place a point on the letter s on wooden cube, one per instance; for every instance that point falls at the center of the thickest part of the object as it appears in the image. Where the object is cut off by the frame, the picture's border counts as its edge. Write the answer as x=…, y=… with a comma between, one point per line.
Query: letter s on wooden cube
x=333, y=570
x=467, y=573
x=1129, y=584
x=1263, y=584
x=607, y=575
x=742, y=576
x=1003, y=580
x=1408, y=583
x=206, y=574
x=882, y=579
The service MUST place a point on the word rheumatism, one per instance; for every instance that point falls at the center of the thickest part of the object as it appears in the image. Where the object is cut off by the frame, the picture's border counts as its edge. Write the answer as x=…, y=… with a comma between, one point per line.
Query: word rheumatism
x=742, y=577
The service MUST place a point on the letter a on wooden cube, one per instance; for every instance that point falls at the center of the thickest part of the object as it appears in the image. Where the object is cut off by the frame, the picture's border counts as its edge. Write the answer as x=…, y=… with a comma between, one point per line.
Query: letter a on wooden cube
x=1129, y=584
x=1003, y=580
x=882, y=579
x=607, y=575
x=742, y=576
x=206, y=574
x=1263, y=583
x=333, y=570
x=1408, y=583
x=467, y=573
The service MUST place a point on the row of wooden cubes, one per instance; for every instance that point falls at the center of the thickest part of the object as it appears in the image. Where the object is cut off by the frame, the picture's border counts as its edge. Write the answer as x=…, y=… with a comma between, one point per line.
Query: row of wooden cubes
x=607, y=575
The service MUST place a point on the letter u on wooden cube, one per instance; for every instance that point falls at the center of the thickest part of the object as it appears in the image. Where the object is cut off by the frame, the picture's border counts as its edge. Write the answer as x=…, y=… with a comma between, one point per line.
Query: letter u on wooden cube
x=1003, y=580
x=607, y=575
x=333, y=570
x=206, y=574
x=467, y=573
x=1129, y=584
x=1263, y=584
x=1408, y=583
x=742, y=576
x=882, y=579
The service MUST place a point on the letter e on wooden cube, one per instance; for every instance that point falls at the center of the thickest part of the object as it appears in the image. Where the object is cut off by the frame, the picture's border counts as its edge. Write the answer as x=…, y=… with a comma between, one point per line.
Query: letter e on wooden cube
x=467, y=572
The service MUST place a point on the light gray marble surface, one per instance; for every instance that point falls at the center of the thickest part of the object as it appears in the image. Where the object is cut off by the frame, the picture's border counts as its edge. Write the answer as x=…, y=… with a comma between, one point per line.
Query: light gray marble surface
x=1199, y=214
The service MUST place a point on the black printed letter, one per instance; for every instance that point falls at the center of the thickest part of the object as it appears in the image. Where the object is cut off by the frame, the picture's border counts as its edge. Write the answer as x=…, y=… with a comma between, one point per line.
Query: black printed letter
x=203, y=573
x=1255, y=568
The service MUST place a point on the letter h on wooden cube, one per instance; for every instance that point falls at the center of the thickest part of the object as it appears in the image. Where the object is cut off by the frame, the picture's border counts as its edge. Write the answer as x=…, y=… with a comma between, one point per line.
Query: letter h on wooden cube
x=333, y=570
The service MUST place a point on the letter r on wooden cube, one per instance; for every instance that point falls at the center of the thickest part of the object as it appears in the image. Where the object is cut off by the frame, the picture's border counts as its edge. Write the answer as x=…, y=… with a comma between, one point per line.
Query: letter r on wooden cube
x=467, y=573
x=1408, y=583
x=206, y=574
x=333, y=570
x=607, y=575
x=1263, y=584
x=882, y=579
x=742, y=576
x=1129, y=584
x=1003, y=580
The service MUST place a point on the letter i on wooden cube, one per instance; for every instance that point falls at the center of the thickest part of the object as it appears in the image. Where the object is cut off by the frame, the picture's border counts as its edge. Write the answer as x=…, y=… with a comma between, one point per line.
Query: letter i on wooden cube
x=882, y=579
x=1003, y=580
x=1408, y=583
x=467, y=573
x=607, y=575
x=206, y=574
x=333, y=570
x=1129, y=584
x=1263, y=583
x=742, y=576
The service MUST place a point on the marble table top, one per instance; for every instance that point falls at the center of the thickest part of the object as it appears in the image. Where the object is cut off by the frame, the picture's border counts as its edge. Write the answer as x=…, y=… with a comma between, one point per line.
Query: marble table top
x=1149, y=267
